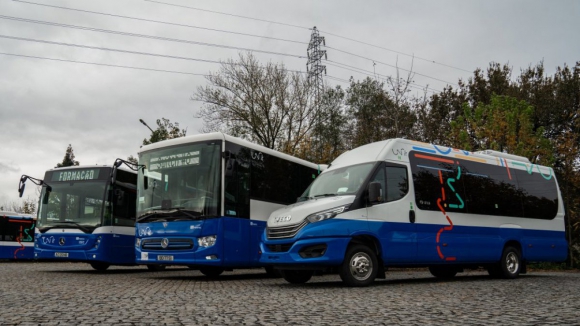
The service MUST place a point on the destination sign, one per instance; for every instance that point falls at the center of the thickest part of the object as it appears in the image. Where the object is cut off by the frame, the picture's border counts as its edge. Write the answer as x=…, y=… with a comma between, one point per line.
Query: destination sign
x=174, y=160
x=76, y=175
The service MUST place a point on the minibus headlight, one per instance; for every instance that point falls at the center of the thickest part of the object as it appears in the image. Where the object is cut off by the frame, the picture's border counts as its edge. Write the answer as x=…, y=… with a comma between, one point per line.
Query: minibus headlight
x=325, y=215
x=138, y=242
x=207, y=241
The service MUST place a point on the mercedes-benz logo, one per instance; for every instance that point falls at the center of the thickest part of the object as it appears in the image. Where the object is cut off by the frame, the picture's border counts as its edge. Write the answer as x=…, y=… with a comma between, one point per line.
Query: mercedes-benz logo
x=164, y=243
x=61, y=241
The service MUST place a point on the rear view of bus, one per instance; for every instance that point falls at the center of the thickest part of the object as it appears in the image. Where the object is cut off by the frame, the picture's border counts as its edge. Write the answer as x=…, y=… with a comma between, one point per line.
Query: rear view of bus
x=203, y=200
x=16, y=236
x=87, y=214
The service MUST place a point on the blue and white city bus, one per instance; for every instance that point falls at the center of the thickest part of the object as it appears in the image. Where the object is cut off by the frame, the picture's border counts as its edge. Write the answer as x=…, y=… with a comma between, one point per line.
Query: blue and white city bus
x=399, y=203
x=203, y=200
x=16, y=236
x=87, y=214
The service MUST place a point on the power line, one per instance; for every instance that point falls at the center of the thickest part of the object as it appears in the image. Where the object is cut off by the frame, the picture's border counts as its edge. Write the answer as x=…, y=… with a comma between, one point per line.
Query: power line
x=302, y=27
x=372, y=74
x=102, y=64
x=125, y=51
x=107, y=49
x=160, y=38
x=227, y=14
x=160, y=22
x=389, y=65
x=398, y=52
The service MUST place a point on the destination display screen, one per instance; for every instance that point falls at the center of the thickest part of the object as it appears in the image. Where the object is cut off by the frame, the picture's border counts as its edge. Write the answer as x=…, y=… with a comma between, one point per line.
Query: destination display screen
x=174, y=160
x=71, y=175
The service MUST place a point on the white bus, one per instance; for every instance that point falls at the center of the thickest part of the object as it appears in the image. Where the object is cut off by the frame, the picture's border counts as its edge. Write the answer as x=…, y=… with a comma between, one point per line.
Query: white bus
x=400, y=203
x=203, y=200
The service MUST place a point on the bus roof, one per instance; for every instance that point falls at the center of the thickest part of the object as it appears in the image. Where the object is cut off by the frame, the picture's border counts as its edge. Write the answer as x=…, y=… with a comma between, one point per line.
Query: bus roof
x=224, y=137
x=397, y=149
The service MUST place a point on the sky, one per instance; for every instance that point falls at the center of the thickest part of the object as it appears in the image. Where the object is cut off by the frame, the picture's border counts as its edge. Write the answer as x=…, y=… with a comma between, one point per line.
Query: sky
x=49, y=99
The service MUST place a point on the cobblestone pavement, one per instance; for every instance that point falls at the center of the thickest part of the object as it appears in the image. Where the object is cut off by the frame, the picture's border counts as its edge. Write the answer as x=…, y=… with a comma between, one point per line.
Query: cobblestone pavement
x=73, y=294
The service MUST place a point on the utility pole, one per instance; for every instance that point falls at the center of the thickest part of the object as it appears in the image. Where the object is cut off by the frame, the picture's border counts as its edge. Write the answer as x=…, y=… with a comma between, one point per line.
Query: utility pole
x=315, y=70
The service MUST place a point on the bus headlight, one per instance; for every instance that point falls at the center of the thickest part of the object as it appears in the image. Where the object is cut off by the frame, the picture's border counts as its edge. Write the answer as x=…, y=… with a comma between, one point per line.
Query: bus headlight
x=138, y=242
x=327, y=214
x=207, y=241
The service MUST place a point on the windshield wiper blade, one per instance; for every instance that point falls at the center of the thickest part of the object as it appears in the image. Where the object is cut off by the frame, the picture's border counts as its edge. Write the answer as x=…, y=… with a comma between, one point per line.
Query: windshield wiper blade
x=149, y=215
x=305, y=198
x=82, y=228
x=190, y=213
x=325, y=195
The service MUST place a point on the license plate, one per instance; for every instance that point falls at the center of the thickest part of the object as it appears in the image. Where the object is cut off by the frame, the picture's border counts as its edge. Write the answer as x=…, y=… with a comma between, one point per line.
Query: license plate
x=164, y=257
x=61, y=254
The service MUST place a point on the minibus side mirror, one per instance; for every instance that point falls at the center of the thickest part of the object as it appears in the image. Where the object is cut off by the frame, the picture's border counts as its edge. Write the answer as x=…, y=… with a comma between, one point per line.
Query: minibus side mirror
x=375, y=192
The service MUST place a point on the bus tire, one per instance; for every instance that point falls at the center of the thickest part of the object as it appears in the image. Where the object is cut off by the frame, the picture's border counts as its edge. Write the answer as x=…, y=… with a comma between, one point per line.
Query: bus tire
x=511, y=263
x=156, y=268
x=443, y=272
x=101, y=267
x=360, y=266
x=211, y=271
x=297, y=276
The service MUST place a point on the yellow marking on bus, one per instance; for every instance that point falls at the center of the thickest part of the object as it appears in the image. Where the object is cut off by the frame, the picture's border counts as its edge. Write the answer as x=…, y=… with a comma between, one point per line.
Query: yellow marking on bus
x=469, y=158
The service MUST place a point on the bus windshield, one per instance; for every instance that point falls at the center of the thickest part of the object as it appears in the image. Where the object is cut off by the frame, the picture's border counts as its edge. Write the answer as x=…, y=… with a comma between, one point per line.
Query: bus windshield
x=184, y=178
x=79, y=203
x=342, y=181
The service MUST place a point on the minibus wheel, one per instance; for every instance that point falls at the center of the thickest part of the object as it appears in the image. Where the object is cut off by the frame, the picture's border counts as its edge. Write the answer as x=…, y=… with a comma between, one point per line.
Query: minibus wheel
x=297, y=276
x=211, y=271
x=511, y=262
x=101, y=267
x=360, y=266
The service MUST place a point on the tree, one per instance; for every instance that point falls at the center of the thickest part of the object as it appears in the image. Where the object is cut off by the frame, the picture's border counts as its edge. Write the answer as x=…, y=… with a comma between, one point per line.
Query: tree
x=373, y=114
x=504, y=125
x=69, y=158
x=132, y=159
x=265, y=104
x=165, y=130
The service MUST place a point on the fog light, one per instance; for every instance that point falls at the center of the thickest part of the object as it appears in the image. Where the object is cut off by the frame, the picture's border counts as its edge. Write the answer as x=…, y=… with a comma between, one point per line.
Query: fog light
x=211, y=257
x=207, y=241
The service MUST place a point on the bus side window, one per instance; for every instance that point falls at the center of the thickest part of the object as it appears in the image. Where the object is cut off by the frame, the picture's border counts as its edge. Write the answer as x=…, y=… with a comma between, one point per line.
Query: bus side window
x=397, y=183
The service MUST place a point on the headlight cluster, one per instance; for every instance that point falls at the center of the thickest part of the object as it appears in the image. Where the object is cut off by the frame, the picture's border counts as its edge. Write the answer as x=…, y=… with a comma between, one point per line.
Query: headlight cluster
x=98, y=242
x=325, y=215
x=207, y=241
x=138, y=242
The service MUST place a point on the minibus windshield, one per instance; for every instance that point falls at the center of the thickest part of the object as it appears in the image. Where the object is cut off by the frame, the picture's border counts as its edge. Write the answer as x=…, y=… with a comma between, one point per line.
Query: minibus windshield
x=341, y=181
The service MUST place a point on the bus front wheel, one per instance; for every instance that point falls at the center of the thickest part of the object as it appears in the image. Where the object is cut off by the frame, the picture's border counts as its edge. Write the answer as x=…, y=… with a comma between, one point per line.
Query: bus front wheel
x=101, y=267
x=211, y=271
x=360, y=266
x=297, y=276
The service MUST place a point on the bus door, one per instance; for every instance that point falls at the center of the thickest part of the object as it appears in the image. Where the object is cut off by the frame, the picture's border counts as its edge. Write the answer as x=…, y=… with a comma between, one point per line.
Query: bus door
x=393, y=218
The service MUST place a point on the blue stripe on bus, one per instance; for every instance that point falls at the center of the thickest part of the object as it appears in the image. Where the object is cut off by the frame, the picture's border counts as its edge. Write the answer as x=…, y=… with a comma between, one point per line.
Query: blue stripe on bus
x=408, y=244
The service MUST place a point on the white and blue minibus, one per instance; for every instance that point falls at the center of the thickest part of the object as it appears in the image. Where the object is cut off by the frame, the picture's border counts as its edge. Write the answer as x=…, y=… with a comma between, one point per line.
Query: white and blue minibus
x=87, y=214
x=203, y=200
x=400, y=203
x=16, y=236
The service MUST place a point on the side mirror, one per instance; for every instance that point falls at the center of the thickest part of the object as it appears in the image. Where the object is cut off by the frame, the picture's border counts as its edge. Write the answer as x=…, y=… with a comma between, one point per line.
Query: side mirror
x=22, y=185
x=375, y=192
x=145, y=182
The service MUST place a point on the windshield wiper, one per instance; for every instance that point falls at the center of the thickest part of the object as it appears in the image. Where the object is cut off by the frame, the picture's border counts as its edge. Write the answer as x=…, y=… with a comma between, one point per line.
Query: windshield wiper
x=170, y=214
x=325, y=195
x=304, y=198
x=58, y=225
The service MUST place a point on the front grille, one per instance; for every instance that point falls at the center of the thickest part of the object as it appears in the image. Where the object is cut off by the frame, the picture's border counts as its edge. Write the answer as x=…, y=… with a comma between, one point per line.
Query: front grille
x=284, y=232
x=173, y=244
x=280, y=247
